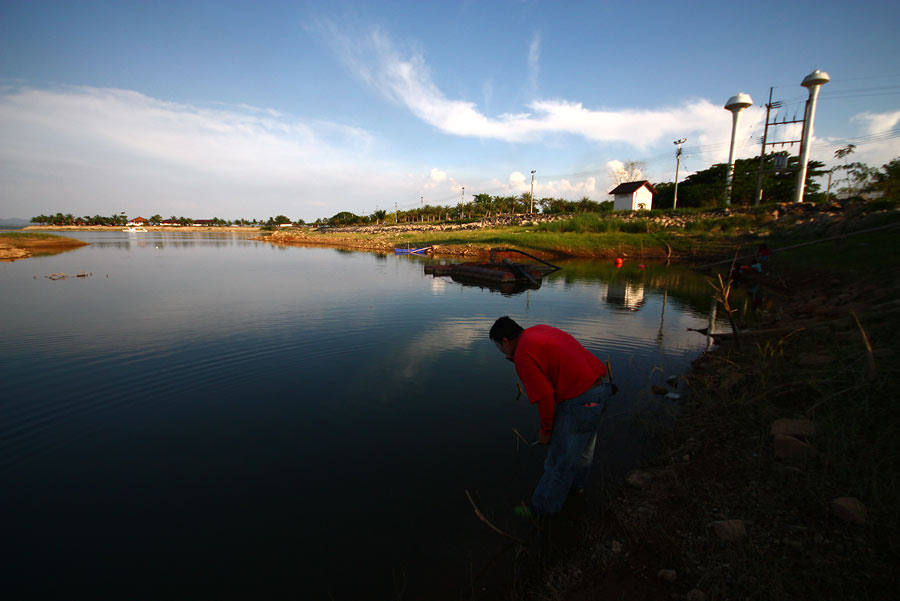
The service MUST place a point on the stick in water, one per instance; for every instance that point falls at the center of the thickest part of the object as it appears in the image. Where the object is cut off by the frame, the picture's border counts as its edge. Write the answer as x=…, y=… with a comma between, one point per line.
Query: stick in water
x=486, y=521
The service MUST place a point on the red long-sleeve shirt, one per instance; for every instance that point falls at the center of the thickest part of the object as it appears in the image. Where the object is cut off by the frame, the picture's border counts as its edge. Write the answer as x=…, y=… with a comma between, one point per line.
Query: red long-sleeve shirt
x=554, y=367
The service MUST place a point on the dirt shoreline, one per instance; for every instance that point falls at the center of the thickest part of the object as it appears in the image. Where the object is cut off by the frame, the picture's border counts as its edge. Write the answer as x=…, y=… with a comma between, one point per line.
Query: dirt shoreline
x=15, y=248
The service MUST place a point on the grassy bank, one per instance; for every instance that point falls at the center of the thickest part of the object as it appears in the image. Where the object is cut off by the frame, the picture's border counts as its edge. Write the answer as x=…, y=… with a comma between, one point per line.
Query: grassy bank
x=664, y=536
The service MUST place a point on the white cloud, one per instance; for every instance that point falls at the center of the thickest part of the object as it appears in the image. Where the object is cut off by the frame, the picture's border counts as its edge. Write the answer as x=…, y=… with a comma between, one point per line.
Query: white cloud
x=405, y=78
x=93, y=150
x=878, y=122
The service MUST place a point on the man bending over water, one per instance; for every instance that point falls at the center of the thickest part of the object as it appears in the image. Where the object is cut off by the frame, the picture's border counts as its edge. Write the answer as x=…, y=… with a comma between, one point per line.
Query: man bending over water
x=565, y=381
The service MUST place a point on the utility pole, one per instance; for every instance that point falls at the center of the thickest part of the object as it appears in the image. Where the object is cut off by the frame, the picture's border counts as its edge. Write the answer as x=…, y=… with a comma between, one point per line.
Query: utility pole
x=531, y=211
x=678, y=144
x=462, y=201
x=396, y=213
x=762, y=155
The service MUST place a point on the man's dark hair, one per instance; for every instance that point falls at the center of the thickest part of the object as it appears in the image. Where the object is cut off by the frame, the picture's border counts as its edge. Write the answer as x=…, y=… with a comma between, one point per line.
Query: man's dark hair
x=505, y=327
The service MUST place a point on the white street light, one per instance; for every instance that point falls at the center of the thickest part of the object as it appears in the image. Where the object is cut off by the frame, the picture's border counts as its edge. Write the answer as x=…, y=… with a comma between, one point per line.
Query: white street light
x=735, y=104
x=531, y=211
x=813, y=81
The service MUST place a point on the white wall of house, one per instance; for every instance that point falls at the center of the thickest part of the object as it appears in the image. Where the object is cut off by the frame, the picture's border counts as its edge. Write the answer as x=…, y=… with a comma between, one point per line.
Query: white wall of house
x=640, y=199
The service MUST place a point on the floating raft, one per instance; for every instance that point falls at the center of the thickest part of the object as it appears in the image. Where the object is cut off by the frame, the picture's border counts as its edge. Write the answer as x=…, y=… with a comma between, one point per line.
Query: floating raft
x=503, y=274
x=499, y=273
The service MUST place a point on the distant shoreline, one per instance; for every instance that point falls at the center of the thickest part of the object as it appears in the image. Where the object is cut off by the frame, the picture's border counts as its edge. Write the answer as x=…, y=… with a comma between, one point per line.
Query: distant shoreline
x=150, y=228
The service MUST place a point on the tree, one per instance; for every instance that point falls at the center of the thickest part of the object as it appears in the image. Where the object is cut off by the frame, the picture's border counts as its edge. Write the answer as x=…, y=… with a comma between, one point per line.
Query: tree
x=706, y=188
x=887, y=180
x=156, y=219
x=281, y=219
x=344, y=218
x=631, y=171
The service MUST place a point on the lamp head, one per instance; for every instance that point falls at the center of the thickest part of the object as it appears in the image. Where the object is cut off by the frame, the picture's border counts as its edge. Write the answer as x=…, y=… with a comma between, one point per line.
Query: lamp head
x=816, y=78
x=739, y=102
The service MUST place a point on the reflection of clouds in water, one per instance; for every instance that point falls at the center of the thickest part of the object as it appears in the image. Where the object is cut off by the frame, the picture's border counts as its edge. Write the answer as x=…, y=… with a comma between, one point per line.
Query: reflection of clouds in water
x=438, y=284
x=625, y=294
x=452, y=335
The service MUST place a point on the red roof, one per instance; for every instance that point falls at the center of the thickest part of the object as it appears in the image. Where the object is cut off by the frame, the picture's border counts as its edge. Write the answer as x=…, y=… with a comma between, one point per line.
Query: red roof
x=630, y=187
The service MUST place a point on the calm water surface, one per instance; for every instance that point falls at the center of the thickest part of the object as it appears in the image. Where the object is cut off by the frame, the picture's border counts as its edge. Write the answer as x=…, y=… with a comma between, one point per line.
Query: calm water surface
x=221, y=416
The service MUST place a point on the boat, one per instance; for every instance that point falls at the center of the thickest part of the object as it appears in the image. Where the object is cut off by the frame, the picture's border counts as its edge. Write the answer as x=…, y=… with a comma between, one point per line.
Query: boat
x=412, y=251
x=135, y=229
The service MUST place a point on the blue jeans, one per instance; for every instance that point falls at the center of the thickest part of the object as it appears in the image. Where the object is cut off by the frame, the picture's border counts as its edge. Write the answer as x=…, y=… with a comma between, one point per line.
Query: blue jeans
x=571, y=453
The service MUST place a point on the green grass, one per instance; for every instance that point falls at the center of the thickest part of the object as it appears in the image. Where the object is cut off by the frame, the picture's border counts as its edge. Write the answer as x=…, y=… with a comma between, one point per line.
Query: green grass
x=28, y=236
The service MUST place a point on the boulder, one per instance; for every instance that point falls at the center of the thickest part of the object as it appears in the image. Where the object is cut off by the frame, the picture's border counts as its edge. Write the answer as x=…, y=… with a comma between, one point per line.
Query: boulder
x=788, y=447
x=798, y=428
x=667, y=575
x=849, y=509
x=637, y=479
x=730, y=530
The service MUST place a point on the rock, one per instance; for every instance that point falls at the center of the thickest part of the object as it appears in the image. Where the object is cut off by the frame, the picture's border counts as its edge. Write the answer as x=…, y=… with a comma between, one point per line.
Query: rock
x=637, y=479
x=673, y=395
x=793, y=427
x=667, y=575
x=788, y=447
x=616, y=547
x=849, y=509
x=810, y=360
x=695, y=595
x=730, y=530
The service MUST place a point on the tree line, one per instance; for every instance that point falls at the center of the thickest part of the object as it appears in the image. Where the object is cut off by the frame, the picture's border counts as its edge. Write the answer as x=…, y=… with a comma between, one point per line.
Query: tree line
x=703, y=189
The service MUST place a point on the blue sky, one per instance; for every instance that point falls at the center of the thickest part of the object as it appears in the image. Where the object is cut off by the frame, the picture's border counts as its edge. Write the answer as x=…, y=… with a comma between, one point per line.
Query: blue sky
x=249, y=110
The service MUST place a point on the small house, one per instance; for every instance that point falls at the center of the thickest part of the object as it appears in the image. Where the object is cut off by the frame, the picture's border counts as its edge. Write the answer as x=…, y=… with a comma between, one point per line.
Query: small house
x=633, y=196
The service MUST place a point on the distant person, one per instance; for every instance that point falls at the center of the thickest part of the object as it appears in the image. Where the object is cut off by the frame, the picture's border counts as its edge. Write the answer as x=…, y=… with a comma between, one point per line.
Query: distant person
x=565, y=381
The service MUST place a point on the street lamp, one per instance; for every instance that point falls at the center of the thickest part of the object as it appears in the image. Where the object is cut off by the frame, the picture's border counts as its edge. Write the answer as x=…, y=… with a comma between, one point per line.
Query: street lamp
x=532, y=193
x=677, y=143
x=735, y=104
x=813, y=81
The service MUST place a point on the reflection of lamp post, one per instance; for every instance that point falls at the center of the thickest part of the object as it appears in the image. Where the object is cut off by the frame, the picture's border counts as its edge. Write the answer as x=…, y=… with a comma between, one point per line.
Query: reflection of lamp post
x=678, y=143
x=531, y=211
x=813, y=81
x=735, y=104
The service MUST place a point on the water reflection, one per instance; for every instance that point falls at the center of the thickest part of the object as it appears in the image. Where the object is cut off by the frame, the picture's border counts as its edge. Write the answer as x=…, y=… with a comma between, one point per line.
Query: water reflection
x=321, y=404
x=626, y=295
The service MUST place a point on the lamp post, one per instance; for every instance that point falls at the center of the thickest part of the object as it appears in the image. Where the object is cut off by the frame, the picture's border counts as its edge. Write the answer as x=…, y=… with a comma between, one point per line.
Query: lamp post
x=735, y=104
x=677, y=143
x=813, y=81
x=531, y=210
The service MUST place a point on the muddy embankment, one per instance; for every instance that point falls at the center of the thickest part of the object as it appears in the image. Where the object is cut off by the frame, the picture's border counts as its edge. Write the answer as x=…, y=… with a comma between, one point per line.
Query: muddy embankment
x=13, y=248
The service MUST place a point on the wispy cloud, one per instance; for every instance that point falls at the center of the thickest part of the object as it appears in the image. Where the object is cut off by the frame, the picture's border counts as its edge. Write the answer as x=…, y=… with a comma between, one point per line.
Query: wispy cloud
x=405, y=78
x=534, y=60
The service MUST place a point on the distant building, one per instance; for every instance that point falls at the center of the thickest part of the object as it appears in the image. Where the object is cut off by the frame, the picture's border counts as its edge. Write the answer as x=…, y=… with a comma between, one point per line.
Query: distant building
x=633, y=196
x=138, y=221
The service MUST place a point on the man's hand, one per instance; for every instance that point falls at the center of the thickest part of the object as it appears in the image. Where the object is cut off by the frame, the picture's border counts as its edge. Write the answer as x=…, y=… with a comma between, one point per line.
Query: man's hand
x=544, y=438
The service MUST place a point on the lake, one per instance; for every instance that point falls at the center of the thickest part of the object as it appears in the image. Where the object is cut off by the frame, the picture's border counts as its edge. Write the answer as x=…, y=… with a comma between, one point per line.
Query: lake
x=218, y=416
